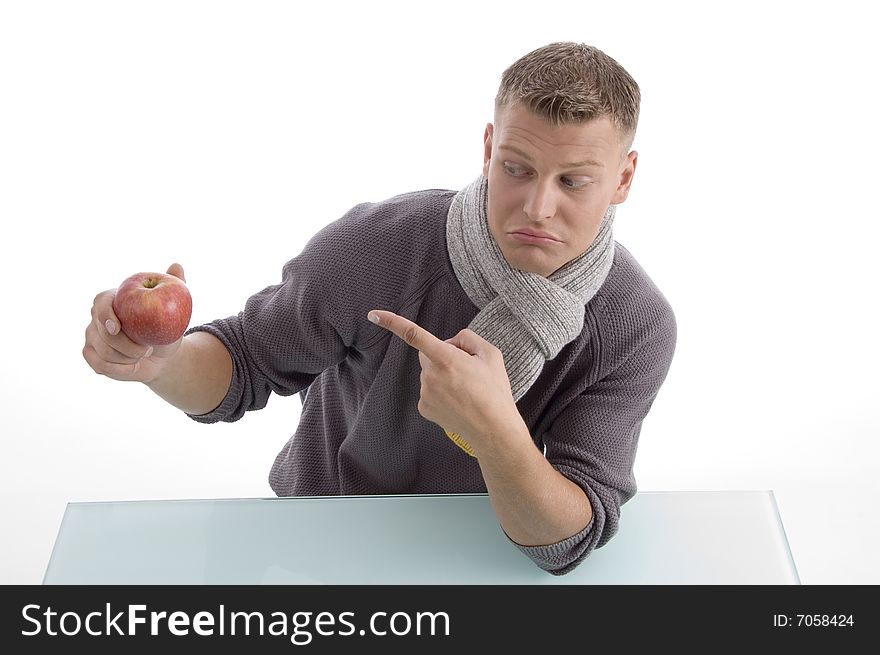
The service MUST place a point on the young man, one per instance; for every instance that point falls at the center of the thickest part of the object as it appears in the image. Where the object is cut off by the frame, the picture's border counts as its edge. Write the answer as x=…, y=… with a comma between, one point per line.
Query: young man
x=495, y=339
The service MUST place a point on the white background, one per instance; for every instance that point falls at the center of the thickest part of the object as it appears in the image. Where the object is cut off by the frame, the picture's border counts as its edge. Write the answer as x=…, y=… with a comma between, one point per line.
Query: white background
x=223, y=135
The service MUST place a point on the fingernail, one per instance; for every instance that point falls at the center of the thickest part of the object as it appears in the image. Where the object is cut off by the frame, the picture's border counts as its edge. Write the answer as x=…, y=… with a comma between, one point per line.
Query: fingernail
x=374, y=317
x=110, y=325
x=149, y=351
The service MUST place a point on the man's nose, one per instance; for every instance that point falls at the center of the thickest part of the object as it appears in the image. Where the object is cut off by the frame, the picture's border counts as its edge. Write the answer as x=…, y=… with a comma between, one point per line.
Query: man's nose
x=541, y=201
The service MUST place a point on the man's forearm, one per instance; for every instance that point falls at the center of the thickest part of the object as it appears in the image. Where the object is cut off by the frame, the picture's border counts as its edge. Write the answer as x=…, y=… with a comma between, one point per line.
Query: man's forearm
x=535, y=504
x=197, y=378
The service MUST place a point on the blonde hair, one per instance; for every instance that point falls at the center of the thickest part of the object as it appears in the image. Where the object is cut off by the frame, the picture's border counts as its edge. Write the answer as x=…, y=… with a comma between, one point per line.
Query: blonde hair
x=567, y=82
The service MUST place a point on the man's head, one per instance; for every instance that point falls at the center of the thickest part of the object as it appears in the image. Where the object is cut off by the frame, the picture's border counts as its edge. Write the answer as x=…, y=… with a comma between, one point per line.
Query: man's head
x=558, y=153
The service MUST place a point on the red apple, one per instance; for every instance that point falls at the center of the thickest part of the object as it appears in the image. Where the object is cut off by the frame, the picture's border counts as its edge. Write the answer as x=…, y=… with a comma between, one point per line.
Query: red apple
x=153, y=308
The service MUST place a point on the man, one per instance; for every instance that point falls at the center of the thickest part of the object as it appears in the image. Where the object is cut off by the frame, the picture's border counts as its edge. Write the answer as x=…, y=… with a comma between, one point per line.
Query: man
x=512, y=346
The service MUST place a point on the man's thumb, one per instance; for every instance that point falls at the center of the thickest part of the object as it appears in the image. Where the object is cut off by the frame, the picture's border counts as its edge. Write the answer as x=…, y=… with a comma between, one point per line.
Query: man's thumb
x=468, y=341
x=177, y=271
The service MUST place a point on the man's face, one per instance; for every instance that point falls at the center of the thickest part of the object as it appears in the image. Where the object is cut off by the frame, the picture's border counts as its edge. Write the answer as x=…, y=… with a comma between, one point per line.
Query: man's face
x=539, y=183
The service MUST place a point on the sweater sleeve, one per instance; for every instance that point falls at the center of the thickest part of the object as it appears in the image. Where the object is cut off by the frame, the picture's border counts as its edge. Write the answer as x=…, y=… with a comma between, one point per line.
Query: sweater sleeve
x=288, y=333
x=279, y=343
x=593, y=440
x=316, y=317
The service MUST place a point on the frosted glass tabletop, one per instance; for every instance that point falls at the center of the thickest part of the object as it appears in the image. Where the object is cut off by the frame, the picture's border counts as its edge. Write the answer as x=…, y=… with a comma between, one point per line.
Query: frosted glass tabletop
x=715, y=537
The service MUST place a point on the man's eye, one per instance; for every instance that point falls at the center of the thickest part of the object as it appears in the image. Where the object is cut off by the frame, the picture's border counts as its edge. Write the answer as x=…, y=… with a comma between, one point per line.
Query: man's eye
x=513, y=170
x=576, y=185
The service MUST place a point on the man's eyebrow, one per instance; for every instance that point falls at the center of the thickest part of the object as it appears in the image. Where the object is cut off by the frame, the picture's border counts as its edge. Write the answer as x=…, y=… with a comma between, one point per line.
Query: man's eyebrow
x=574, y=164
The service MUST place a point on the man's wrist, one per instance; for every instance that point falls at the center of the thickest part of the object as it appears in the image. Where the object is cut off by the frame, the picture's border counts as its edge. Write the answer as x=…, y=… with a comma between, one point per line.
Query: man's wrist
x=504, y=440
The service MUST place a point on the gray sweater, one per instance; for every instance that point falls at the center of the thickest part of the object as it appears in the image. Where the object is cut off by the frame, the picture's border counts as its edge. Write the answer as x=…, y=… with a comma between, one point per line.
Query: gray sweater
x=360, y=431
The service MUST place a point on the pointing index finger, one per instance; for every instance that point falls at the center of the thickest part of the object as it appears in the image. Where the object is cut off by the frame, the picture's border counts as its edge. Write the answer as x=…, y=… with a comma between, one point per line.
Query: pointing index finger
x=413, y=334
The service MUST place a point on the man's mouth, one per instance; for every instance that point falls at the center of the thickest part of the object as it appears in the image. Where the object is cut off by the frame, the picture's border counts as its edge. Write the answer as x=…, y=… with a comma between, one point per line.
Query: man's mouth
x=534, y=236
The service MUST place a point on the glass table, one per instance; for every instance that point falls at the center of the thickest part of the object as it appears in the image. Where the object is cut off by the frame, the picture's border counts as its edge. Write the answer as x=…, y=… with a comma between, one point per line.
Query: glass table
x=676, y=537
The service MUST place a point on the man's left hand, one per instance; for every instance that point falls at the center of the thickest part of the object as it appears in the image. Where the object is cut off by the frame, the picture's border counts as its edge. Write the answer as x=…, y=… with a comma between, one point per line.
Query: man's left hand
x=465, y=388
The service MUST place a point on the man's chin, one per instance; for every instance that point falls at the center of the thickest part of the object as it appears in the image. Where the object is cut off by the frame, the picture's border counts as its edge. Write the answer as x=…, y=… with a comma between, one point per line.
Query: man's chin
x=528, y=258
x=529, y=267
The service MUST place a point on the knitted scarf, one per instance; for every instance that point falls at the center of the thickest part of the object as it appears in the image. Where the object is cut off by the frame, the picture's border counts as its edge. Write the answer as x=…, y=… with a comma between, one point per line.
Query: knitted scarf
x=528, y=317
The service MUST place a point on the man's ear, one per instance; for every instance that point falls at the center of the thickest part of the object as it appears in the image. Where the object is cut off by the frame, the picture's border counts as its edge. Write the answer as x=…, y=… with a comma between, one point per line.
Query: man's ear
x=626, y=178
x=487, y=149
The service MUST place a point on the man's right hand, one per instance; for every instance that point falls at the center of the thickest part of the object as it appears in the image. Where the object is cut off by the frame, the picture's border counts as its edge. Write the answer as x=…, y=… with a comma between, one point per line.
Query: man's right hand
x=110, y=352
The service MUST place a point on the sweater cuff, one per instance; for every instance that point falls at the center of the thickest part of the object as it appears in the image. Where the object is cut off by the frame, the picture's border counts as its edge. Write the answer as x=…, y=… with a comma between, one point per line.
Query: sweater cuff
x=230, y=402
x=554, y=558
